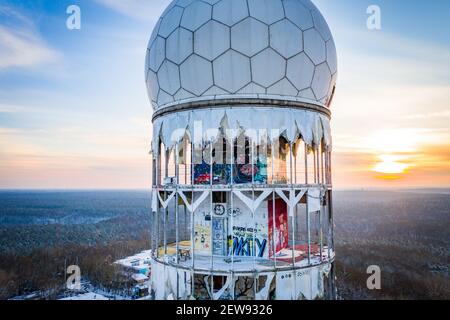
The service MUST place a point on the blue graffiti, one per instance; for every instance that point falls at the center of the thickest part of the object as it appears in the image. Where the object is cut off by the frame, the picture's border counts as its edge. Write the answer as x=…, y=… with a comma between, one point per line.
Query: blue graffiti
x=243, y=247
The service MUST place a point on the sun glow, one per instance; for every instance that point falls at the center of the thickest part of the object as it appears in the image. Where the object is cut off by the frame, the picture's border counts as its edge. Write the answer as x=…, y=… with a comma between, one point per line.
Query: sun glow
x=390, y=164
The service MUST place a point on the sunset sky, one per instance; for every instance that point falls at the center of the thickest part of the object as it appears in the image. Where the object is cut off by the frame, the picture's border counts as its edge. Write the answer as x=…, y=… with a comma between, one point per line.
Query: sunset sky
x=74, y=111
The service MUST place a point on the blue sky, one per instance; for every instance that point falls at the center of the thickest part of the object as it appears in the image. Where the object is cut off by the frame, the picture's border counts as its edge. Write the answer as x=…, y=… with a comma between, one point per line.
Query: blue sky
x=74, y=111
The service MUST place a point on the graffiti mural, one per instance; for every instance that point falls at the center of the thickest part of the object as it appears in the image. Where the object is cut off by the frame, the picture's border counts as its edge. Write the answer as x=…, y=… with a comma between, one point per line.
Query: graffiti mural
x=234, y=231
x=249, y=235
x=280, y=236
x=202, y=240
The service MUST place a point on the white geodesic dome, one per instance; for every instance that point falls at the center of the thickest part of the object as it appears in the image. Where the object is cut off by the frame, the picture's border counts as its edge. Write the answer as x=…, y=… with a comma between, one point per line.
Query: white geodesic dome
x=204, y=49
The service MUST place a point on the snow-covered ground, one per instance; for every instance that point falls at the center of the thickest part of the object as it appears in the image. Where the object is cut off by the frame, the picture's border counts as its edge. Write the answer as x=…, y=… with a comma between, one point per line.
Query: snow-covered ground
x=139, y=262
x=87, y=296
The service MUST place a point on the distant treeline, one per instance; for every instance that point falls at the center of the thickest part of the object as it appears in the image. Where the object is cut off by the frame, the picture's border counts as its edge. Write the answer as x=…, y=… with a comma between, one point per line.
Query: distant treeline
x=23, y=239
x=32, y=258
x=43, y=269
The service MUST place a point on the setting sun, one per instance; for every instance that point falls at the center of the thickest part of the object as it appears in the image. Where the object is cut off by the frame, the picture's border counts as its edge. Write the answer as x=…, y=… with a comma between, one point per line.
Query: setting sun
x=390, y=165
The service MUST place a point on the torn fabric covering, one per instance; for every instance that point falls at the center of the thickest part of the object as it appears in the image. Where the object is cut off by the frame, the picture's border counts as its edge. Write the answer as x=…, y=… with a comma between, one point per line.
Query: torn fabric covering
x=154, y=200
x=308, y=283
x=285, y=289
x=158, y=280
x=184, y=284
x=171, y=281
x=263, y=294
x=313, y=200
x=289, y=123
x=218, y=294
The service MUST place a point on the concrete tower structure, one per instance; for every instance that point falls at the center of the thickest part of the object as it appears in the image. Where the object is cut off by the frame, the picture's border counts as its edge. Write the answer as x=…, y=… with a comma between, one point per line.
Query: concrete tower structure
x=242, y=194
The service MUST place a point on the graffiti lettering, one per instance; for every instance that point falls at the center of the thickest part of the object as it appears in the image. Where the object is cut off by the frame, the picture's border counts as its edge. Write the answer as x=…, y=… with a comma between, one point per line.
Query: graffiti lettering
x=244, y=247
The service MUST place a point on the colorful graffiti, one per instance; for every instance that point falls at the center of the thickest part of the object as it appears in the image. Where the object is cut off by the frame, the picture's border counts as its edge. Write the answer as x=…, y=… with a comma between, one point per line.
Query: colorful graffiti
x=247, y=242
x=202, y=239
x=245, y=173
x=246, y=247
x=281, y=234
x=221, y=173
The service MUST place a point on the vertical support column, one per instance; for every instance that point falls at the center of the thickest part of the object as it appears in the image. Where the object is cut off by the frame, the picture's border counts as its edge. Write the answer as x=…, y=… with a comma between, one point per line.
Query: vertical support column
x=315, y=165
x=192, y=163
x=330, y=166
x=321, y=231
x=185, y=159
x=328, y=224
x=167, y=158
x=319, y=165
x=274, y=226
x=322, y=166
x=232, y=220
x=192, y=223
x=152, y=213
x=332, y=219
x=177, y=225
x=166, y=211
x=272, y=156
x=253, y=248
x=211, y=214
x=154, y=171
x=158, y=240
x=291, y=209
x=192, y=246
x=295, y=162
x=308, y=227
x=165, y=225
x=306, y=163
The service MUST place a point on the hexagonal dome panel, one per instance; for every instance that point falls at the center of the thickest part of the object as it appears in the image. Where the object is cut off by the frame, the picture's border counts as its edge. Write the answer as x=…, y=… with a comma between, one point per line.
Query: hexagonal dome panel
x=321, y=25
x=164, y=97
x=168, y=76
x=230, y=12
x=252, y=88
x=286, y=38
x=195, y=15
x=268, y=67
x=183, y=3
x=154, y=33
x=157, y=53
x=300, y=71
x=183, y=94
x=196, y=74
x=297, y=13
x=211, y=40
x=331, y=56
x=179, y=45
x=283, y=87
x=321, y=81
x=170, y=22
x=232, y=71
x=314, y=46
x=307, y=94
x=267, y=11
x=152, y=85
x=215, y=91
x=249, y=36
x=211, y=2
